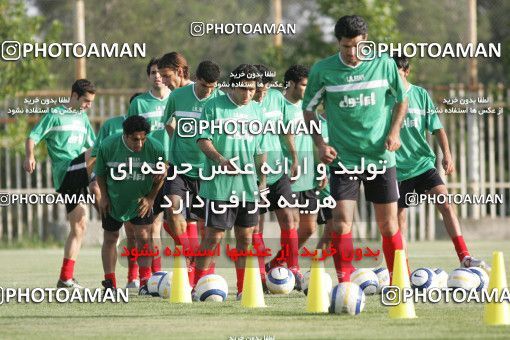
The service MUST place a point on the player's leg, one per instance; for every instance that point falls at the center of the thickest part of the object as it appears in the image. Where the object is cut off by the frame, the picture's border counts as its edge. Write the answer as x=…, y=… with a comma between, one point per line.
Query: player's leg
x=402, y=225
x=243, y=237
x=78, y=222
x=143, y=239
x=177, y=222
x=94, y=190
x=132, y=276
x=109, y=250
x=260, y=246
x=156, y=242
x=211, y=240
x=341, y=238
x=325, y=239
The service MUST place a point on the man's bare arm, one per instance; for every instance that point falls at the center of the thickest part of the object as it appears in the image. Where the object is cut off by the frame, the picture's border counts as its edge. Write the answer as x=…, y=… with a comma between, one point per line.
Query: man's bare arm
x=29, y=164
x=399, y=112
x=448, y=164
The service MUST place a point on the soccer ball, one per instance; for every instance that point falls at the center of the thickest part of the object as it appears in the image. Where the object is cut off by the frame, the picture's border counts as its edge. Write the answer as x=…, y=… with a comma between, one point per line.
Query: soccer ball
x=441, y=278
x=383, y=276
x=423, y=278
x=347, y=297
x=211, y=287
x=155, y=281
x=463, y=278
x=280, y=280
x=484, y=278
x=366, y=279
x=326, y=281
x=165, y=286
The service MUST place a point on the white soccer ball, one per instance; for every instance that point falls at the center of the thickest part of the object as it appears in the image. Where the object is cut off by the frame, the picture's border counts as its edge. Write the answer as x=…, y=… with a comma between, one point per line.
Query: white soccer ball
x=484, y=278
x=154, y=282
x=347, y=297
x=423, y=278
x=326, y=281
x=280, y=280
x=463, y=278
x=441, y=280
x=211, y=287
x=366, y=279
x=165, y=286
x=383, y=276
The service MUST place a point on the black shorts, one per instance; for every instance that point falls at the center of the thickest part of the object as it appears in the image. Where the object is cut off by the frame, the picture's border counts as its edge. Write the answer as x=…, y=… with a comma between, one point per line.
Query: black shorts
x=76, y=180
x=382, y=189
x=180, y=186
x=324, y=215
x=276, y=190
x=419, y=184
x=239, y=216
x=311, y=205
x=156, y=208
x=111, y=224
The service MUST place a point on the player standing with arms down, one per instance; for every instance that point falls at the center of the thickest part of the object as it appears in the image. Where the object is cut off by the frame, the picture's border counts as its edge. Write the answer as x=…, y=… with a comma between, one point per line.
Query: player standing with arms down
x=128, y=196
x=220, y=148
x=416, y=171
x=362, y=130
x=69, y=138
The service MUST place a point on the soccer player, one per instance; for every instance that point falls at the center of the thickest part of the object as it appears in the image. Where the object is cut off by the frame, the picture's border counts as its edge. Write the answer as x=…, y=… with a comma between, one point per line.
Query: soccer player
x=272, y=105
x=110, y=127
x=127, y=194
x=151, y=105
x=186, y=104
x=220, y=148
x=416, y=171
x=174, y=70
x=363, y=135
x=69, y=137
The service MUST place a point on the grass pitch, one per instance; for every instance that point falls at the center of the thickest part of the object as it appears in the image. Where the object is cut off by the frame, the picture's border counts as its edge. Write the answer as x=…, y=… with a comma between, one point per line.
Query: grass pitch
x=284, y=318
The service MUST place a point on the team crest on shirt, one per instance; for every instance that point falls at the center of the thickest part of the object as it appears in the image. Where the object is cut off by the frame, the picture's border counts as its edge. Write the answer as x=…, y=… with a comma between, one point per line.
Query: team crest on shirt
x=354, y=78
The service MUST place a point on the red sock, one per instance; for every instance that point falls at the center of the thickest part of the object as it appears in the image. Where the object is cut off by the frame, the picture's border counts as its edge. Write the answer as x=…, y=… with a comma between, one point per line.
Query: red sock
x=182, y=240
x=389, y=245
x=289, y=239
x=132, y=270
x=191, y=274
x=156, y=264
x=258, y=243
x=212, y=268
x=111, y=276
x=343, y=256
x=192, y=232
x=145, y=274
x=67, y=270
x=166, y=226
x=460, y=247
x=199, y=273
x=240, y=279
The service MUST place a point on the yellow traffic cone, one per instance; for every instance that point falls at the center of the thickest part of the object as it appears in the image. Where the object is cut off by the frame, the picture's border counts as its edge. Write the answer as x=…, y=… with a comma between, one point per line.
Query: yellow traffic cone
x=253, y=294
x=497, y=313
x=317, y=300
x=180, y=292
x=401, y=309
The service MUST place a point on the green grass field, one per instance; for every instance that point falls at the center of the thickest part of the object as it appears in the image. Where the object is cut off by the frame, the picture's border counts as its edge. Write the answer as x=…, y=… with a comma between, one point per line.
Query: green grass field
x=284, y=318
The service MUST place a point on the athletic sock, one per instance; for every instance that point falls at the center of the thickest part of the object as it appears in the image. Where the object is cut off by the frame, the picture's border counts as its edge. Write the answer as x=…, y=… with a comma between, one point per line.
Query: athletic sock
x=289, y=240
x=192, y=232
x=240, y=279
x=258, y=243
x=67, y=270
x=145, y=274
x=111, y=276
x=460, y=247
x=156, y=264
x=389, y=245
x=342, y=258
x=132, y=270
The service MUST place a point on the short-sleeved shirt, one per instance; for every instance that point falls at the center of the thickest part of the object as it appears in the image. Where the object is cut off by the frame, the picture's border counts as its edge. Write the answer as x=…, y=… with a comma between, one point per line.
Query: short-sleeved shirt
x=67, y=134
x=150, y=108
x=183, y=104
x=162, y=137
x=324, y=132
x=415, y=156
x=304, y=148
x=272, y=108
x=110, y=127
x=357, y=106
x=124, y=194
x=244, y=146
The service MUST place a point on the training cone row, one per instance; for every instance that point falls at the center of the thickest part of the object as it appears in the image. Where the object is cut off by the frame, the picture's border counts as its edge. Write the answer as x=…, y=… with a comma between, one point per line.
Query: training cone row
x=401, y=309
x=497, y=313
x=317, y=300
x=253, y=294
x=180, y=291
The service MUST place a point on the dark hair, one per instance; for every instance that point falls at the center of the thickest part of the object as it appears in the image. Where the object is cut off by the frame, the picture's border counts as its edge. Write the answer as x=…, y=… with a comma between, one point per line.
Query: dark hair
x=153, y=61
x=249, y=72
x=263, y=70
x=134, y=96
x=82, y=86
x=402, y=62
x=350, y=26
x=174, y=60
x=208, y=71
x=134, y=124
x=296, y=73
